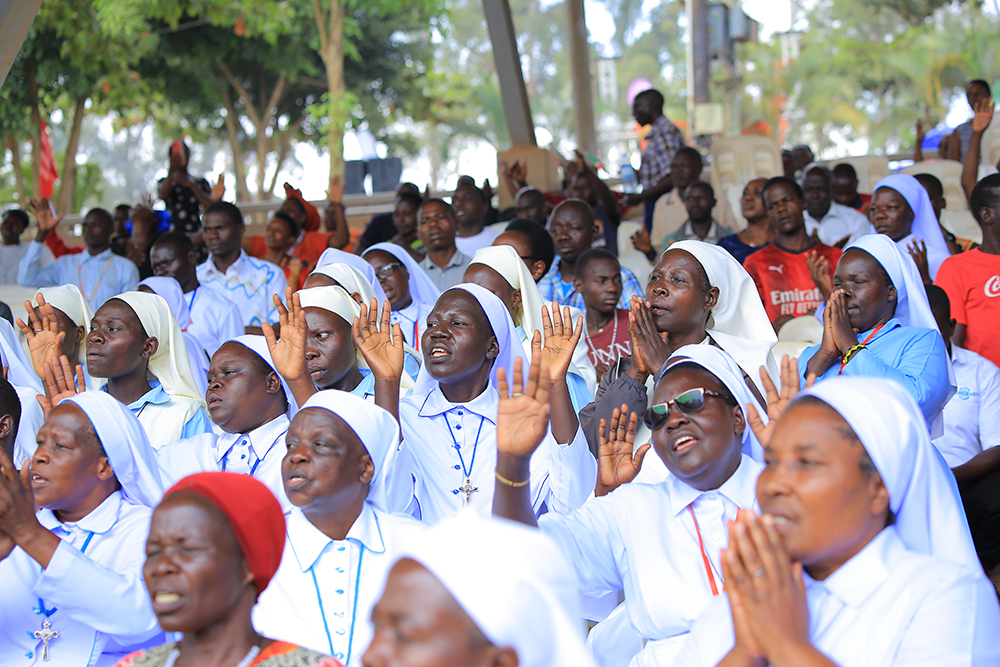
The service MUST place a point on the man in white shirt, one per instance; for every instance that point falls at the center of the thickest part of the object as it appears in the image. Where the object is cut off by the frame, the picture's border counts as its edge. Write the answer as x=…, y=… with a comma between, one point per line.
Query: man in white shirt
x=248, y=282
x=98, y=272
x=15, y=221
x=971, y=435
x=834, y=224
x=214, y=317
x=340, y=540
x=470, y=206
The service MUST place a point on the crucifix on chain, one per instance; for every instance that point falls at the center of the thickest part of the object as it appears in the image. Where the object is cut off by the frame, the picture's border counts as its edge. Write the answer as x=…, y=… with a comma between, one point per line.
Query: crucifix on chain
x=468, y=490
x=46, y=634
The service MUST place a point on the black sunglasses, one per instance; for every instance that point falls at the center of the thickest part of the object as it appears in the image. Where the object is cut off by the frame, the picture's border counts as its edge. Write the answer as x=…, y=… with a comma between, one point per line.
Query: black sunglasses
x=690, y=402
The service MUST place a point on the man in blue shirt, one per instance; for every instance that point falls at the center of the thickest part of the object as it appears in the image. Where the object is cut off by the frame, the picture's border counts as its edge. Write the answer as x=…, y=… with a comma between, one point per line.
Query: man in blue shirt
x=572, y=228
x=98, y=272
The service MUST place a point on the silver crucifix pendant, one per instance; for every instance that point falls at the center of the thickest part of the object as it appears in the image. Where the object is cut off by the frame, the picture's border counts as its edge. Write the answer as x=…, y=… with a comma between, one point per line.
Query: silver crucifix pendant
x=468, y=490
x=46, y=634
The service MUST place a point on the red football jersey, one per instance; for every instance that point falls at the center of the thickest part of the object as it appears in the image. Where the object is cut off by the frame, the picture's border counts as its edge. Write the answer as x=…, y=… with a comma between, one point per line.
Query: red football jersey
x=783, y=279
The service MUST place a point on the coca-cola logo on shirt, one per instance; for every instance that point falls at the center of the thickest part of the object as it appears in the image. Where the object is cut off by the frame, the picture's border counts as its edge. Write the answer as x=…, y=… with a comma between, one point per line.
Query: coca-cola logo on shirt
x=992, y=287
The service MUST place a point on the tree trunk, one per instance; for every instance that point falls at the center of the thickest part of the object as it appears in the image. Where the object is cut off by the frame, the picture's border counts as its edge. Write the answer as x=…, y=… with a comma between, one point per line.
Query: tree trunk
x=36, y=129
x=15, y=157
x=242, y=193
x=67, y=185
x=333, y=58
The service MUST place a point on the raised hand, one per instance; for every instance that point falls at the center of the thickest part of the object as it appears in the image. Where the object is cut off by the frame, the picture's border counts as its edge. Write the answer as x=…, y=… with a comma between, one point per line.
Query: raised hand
x=517, y=172
x=819, y=271
x=616, y=462
x=561, y=340
x=921, y=131
x=381, y=344
x=44, y=216
x=984, y=115
x=918, y=251
x=777, y=402
x=219, y=189
x=42, y=333
x=523, y=417
x=17, y=505
x=335, y=191
x=60, y=383
x=642, y=242
x=289, y=352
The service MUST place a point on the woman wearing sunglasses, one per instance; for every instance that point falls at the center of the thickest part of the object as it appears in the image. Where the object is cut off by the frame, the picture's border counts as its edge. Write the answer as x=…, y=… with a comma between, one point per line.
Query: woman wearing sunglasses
x=697, y=294
x=862, y=556
x=661, y=543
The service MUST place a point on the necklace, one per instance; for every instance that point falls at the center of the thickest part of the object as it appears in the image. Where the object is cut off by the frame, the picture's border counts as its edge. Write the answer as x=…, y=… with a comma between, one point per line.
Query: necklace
x=47, y=634
x=79, y=277
x=614, y=338
x=245, y=662
x=466, y=488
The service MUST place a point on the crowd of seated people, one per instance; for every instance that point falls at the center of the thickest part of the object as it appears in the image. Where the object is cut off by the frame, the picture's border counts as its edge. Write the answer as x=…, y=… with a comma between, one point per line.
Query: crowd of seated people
x=472, y=435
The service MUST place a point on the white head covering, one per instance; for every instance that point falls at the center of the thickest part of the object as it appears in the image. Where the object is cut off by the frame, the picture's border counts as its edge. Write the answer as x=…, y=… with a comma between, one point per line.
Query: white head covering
x=170, y=365
x=125, y=442
x=20, y=372
x=504, y=260
x=422, y=288
x=171, y=291
x=338, y=301
x=925, y=224
x=721, y=365
x=257, y=343
x=513, y=582
x=738, y=323
x=374, y=426
x=923, y=494
x=70, y=301
x=503, y=329
x=912, y=307
x=352, y=273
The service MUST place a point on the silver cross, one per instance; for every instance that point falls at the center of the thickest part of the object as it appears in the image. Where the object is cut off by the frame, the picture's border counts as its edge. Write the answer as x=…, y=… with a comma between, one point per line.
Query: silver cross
x=468, y=490
x=46, y=634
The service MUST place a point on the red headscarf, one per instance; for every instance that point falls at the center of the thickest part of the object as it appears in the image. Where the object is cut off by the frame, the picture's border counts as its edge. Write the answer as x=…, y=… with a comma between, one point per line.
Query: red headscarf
x=313, y=218
x=252, y=512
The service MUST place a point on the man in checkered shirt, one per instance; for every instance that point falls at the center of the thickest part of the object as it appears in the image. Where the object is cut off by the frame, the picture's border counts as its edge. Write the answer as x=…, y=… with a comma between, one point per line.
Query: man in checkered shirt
x=662, y=141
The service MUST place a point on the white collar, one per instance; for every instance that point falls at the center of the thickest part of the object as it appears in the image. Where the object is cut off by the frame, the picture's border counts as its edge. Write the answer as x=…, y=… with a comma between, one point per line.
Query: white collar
x=309, y=543
x=857, y=579
x=262, y=438
x=740, y=488
x=235, y=266
x=485, y=405
x=100, y=520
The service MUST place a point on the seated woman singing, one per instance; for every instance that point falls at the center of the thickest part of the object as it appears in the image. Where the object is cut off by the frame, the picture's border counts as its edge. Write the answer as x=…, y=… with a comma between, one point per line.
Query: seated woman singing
x=861, y=555
x=660, y=543
x=410, y=290
x=72, y=535
x=215, y=541
x=449, y=422
x=878, y=323
x=249, y=403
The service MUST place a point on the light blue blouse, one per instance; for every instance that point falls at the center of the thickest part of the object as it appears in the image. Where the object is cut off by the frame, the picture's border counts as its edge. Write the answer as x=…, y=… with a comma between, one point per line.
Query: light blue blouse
x=914, y=357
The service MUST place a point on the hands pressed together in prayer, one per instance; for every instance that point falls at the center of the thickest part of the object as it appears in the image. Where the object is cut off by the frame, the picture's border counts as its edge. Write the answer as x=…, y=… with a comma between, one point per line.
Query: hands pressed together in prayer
x=649, y=346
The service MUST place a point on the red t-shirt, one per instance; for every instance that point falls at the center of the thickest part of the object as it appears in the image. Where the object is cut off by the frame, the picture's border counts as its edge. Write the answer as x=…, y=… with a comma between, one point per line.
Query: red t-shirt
x=783, y=279
x=602, y=349
x=972, y=281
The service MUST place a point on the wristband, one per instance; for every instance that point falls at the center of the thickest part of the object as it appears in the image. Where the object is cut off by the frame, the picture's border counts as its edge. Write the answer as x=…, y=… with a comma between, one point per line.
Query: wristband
x=506, y=482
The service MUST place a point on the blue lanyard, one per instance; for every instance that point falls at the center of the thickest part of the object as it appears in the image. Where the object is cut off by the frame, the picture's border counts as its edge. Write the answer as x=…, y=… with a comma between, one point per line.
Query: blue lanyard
x=458, y=448
x=41, y=604
x=354, y=609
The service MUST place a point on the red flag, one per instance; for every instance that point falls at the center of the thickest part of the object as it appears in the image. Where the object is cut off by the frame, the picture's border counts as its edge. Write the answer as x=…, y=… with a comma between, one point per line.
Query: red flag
x=47, y=173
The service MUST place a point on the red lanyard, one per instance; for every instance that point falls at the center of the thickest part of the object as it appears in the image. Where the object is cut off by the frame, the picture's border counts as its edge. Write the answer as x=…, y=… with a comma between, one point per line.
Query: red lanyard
x=704, y=556
x=416, y=337
x=843, y=363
